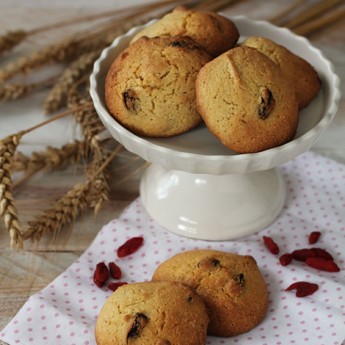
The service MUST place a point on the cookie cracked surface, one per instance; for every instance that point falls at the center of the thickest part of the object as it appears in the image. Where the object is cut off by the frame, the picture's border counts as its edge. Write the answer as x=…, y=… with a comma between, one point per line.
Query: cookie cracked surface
x=215, y=33
x=152, y=313
x=150, y=87
x=231, y=285
x=247, y=101
x=301, y=73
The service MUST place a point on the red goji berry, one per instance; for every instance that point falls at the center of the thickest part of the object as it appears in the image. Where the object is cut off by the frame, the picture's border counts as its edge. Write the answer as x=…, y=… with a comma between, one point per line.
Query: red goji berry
x=302, y=254
x=303, y=288
x=130, y=246
x=271, y=245
x=322, y=253
x=322, y=264
x=285, y=259
x=113, y=286
x=101, y=274
x=305, y=253
x=314, y=237
x=114, y=270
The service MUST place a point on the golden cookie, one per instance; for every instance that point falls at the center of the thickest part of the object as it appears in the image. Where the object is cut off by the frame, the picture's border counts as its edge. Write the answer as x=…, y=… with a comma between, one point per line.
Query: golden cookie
x=301, y=73
x=215, y=33
x=150, y=87
x=247, y=101
x=231, y=285
x=152, y=313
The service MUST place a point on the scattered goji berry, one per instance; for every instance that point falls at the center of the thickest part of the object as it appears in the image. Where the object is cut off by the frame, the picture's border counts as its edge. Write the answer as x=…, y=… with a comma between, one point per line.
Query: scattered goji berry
x=285, y=259
x=271, y=245
x=113, y=286
x=130, y=246
x=302, y=254
x=322, y=264
x=303, y=288
x=322, y=253
x=314, y=237
x=305, y=253
x=114, y=270
x=101, y=274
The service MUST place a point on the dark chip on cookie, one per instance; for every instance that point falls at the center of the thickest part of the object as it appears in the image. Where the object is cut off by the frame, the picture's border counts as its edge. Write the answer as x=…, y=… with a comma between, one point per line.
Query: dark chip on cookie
x=247, y=101
x=231, y=285
x=149, y=313
x=212, y=31
x=150, y=87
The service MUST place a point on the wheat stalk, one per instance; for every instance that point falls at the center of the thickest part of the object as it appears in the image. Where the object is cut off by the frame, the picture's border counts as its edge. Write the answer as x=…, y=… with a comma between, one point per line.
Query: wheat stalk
x=76, y=70
x=64, y=51
x=70, y=48
x=88, y=119
x=13, y=91
x=8, y=209
x=52, y=158
x=67, y=208
x=99, y=190
x=11, y=39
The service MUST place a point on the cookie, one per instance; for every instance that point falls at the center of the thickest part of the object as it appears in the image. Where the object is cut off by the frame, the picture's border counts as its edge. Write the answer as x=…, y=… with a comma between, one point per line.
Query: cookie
x=301, y=73
x=231, y=285
x=247, y=101
x=159, y=313
x=150, y=87
x=215, y=33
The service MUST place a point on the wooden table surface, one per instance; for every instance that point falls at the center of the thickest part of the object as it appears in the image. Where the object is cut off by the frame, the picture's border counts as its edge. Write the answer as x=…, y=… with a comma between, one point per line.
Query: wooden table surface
x=25, y=273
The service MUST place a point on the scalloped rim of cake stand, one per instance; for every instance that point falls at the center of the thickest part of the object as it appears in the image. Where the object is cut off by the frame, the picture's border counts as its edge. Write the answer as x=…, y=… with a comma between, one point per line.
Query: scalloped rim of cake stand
x=218, y=195
x=156, y=150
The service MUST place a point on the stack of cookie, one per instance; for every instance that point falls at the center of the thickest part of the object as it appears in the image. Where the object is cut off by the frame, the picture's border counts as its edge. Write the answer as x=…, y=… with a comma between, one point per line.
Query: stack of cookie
x=188, y=68
x=192, y=294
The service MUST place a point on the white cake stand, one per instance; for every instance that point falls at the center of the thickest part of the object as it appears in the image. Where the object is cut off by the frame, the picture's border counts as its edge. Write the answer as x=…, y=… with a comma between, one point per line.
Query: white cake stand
x=195, y=186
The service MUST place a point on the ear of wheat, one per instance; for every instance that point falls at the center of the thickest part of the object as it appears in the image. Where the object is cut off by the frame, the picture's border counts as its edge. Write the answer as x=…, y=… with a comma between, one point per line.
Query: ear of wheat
x=11, y=39
x=8, y=209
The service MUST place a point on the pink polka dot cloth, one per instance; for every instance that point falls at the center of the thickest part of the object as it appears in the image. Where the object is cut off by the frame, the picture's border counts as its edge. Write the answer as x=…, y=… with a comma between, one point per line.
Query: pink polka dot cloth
x=65, y=312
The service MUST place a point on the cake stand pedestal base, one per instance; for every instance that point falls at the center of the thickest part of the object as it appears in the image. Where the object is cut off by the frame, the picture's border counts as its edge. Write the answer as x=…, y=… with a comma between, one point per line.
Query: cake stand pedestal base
x=212, y=207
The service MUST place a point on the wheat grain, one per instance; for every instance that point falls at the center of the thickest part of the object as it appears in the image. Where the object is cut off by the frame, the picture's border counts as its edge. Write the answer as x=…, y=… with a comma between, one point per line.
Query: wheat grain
x=50, y=159
x=88, y=119
x=64, y=51
x=14, y=91
x=67, y=208
x=57, y=97
x=63, y=212
x=8, y=209
x=11, y=39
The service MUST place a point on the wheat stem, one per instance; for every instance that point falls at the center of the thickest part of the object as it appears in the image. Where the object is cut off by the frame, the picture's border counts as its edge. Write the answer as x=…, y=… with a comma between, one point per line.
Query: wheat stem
x=93, y=17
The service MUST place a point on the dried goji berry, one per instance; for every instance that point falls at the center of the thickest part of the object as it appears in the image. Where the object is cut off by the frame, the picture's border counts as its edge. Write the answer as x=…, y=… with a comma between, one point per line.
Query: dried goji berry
x=322, y=253
x=303, y=288
x=305, y=253
x=322, y=264
x=115, y=285
x=101, y=274
x=271, y=245
x=314, y=237
x=130, y=246
x=285, y=259
x=302, y=254
x=114, y=270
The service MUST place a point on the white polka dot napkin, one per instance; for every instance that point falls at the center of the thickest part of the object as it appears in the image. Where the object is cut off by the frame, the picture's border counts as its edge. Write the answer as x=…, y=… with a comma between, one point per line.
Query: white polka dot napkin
x=64, y=313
